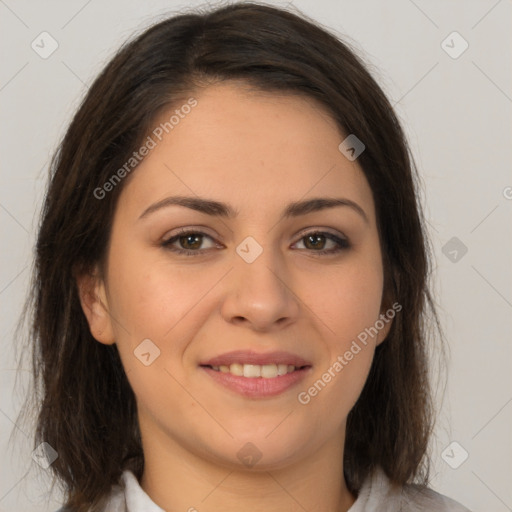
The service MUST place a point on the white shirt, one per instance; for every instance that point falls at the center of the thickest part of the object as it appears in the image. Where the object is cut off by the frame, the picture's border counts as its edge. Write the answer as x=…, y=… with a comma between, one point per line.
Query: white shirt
x=376, y=495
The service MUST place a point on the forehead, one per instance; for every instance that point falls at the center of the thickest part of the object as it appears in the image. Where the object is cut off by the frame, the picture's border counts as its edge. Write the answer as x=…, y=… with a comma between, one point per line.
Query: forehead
x=248, y=148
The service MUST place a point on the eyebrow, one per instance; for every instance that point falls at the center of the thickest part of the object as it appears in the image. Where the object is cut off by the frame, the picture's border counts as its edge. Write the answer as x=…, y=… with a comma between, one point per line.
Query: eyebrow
x=218, y=209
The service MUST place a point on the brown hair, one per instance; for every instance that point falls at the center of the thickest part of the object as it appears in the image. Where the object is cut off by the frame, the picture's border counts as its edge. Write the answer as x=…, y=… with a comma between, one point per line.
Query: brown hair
x=86, y=408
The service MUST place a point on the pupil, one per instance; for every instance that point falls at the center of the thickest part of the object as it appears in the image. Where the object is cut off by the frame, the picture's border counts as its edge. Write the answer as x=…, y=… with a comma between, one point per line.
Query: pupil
x=311, y=238
x=186, y=238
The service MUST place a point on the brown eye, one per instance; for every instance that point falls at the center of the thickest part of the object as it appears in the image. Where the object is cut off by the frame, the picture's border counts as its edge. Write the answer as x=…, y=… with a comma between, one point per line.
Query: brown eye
x=316, y=242
x=190, y=241
x=187, y=242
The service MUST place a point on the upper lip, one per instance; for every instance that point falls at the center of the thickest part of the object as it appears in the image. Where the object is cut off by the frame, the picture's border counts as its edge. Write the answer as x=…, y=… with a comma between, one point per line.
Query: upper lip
x=252, y=357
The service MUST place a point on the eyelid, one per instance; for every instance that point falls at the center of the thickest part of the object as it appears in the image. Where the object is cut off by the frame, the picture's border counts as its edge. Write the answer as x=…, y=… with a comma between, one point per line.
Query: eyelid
x=322, y=230
x=188, y=229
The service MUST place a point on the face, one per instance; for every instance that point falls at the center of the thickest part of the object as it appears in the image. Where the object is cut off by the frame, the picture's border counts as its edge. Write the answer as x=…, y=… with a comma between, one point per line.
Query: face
x=253, y=320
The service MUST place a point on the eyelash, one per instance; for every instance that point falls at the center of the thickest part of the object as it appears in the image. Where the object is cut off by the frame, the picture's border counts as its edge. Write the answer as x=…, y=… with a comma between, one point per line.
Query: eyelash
x=343, y=243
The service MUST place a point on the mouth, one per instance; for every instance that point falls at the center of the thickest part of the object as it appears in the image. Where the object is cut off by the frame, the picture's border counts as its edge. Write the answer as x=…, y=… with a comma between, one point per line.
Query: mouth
x=254, y=375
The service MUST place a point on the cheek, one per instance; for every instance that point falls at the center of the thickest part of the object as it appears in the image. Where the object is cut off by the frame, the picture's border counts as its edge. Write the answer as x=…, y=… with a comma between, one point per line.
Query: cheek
x=156, y=300
x=148, y=295
x=348, y=303
x=340, y=377
x=337, y=387
x=348, y=300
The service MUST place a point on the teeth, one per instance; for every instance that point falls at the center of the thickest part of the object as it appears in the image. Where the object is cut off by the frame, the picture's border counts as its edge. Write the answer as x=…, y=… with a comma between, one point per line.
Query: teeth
x=282, y=369
x=237, y=369
x=267, y=371
x=252, y=370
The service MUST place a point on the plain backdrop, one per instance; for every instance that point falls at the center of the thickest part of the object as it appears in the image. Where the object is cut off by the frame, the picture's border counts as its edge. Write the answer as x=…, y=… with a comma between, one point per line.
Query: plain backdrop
x=456, y=108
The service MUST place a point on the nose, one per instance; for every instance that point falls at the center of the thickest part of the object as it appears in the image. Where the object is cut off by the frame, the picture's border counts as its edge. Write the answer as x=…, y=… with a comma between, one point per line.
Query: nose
x=260, y=294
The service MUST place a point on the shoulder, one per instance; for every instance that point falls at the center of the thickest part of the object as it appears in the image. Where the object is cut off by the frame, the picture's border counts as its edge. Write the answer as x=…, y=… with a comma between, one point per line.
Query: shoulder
x=418, y=498
x=378, y=494
x=126, y=496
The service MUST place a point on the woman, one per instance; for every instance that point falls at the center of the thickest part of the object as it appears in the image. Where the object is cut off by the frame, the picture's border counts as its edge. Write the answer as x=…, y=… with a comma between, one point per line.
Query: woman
x=230, y=298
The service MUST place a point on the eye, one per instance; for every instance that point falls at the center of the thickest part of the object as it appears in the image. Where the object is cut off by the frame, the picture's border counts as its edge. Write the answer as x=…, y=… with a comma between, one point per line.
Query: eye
x=316, y=241
x=190, y=241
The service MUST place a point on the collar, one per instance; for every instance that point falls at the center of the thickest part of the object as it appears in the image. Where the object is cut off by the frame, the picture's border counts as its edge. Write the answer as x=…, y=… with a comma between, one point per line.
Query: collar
x=376, y=494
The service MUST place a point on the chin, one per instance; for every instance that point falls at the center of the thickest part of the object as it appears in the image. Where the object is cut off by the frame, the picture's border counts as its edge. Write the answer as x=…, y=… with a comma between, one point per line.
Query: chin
x=259, y=451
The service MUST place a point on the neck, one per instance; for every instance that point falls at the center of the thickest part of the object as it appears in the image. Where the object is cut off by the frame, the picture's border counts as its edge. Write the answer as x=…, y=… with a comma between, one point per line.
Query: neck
x=179, y=479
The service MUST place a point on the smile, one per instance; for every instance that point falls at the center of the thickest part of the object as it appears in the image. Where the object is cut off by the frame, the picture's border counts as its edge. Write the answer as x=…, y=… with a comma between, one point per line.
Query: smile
x=257, y=381
x=256, y=375
x=266, y=371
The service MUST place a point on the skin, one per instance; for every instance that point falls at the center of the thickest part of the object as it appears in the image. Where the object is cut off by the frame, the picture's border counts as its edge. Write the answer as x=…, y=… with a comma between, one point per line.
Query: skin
x=258, y=152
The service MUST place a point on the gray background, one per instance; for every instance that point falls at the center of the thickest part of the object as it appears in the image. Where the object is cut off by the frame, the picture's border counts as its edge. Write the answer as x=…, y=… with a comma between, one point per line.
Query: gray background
x=457, y=115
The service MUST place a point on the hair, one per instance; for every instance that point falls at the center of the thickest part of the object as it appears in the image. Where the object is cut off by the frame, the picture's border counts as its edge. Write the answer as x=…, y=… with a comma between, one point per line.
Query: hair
x=86, y=408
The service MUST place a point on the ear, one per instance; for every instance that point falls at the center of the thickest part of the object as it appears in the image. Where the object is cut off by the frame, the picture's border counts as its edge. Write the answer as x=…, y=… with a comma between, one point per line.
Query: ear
x=387, y=321
x=93, y=298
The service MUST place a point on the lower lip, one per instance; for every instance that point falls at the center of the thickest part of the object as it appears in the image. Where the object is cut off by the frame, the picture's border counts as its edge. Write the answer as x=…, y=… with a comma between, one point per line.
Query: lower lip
x=257, y=387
